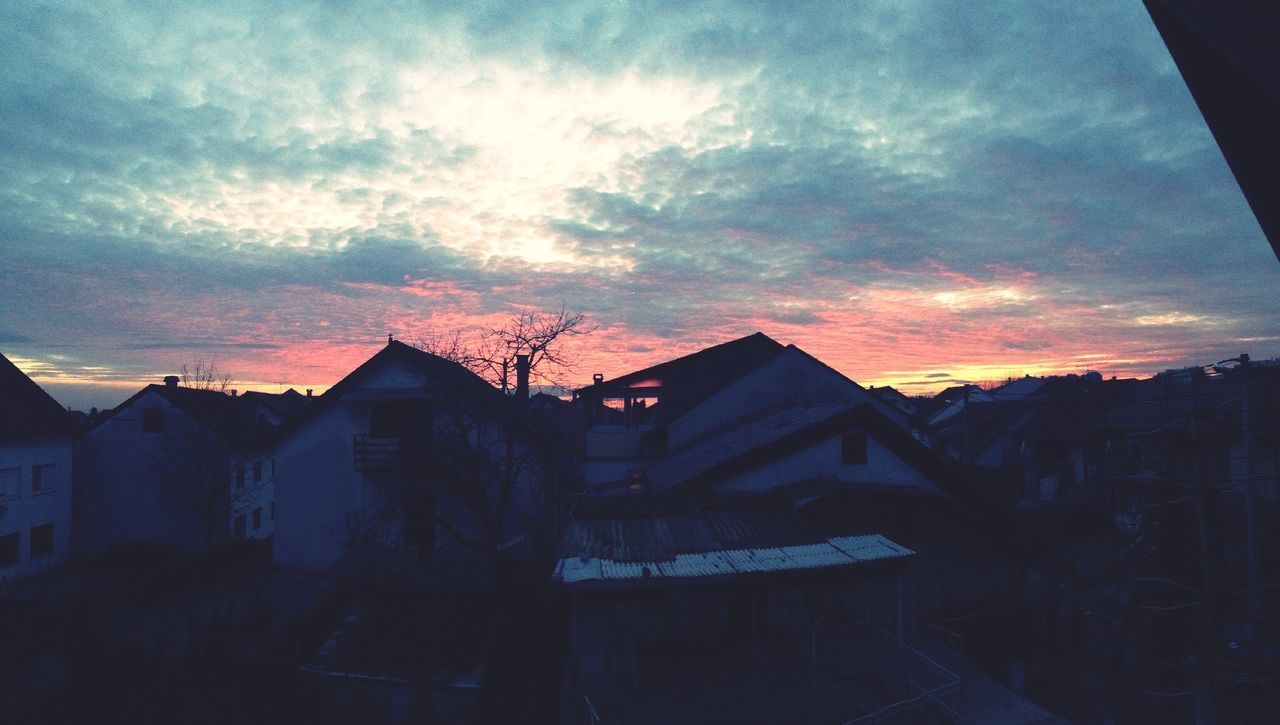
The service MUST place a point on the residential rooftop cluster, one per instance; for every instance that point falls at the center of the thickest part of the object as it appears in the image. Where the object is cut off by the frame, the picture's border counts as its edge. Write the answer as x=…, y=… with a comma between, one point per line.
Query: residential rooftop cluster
x=742, y=534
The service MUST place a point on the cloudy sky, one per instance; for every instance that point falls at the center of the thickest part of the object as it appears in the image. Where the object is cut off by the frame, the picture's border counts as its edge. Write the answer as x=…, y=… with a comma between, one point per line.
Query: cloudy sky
x=915, y=192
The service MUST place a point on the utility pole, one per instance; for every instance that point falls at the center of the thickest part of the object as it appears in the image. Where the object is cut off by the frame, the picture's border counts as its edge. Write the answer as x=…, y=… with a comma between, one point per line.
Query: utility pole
x=1250, y=494
x=1201, y=679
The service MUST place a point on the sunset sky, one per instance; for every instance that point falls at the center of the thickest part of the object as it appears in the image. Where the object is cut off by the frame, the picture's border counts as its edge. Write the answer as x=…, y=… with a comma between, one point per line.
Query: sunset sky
x=914, y=192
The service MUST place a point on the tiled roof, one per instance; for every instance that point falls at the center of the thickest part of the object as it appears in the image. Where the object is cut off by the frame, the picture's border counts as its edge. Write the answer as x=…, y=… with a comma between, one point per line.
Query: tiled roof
x=689, y=380
x=26, y=410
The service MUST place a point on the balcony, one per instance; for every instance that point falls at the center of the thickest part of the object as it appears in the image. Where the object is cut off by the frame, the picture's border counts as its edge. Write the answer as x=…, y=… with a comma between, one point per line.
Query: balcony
x=376, y=454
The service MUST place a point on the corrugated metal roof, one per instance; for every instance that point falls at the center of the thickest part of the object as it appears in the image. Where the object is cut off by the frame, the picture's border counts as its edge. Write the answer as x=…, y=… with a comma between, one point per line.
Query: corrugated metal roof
x=658, y=537
x=835, y=552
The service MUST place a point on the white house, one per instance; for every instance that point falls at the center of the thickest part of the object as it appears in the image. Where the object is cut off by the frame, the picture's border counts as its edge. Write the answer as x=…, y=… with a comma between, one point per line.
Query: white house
x=641, y=417
x=410, y=455
x=36, y=440
x=251, y=484
x=157, y=470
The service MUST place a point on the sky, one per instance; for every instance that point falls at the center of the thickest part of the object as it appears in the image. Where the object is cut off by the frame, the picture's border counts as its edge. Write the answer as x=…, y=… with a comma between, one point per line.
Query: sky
x=915, y=192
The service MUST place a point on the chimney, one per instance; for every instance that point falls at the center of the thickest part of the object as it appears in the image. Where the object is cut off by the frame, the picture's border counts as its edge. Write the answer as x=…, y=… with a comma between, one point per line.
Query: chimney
x=597, y=378
x=522, y=377
x=171, y=381
x=390, y=339
x=233, y=393
x=308, y=392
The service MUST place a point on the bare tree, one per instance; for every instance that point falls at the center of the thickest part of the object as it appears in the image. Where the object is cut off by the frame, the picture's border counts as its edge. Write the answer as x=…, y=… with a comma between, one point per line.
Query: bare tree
x=205, y=375
x=543, y=336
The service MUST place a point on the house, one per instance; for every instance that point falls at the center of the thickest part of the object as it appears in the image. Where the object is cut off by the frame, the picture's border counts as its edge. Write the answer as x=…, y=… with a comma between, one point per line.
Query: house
x=951, y=401
x=157, y=469
x=638, y=418
x=252, y=474
x=785, y=489
x=36, y=441
x=411, y=456
x=430, y=493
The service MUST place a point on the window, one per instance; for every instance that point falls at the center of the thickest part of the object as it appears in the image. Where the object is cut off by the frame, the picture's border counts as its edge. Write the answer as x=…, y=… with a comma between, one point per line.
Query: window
x=239, y=475
x=257, y=519
x=240, y=527
x=42, y=477
x=10, y=482
x=853, y=447
x=152, y=420
x=42, y=540
x=257, y=471
x=9, y=549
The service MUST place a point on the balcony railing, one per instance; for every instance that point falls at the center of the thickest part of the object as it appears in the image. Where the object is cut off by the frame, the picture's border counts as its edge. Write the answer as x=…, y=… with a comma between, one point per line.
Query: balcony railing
x=376, y=454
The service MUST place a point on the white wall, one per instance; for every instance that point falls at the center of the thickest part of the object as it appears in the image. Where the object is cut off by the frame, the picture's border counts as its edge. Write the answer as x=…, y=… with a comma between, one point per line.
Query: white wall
x=25, y=509
x=315, y=486
x=252, y=495
x=822, y=460
x=318, y=491
x=137, y=487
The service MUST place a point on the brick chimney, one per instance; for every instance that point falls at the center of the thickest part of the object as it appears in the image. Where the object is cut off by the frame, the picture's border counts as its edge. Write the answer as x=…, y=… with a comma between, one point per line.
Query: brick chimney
x=522, y=377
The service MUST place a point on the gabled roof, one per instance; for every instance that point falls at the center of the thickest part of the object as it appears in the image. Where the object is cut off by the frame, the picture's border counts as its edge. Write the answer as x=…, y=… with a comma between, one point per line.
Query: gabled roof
x=231, y=418
x=986, y=421
x=446, y=372
x=26, y=410
x=772, y=437
x=287, y=405
x=689, y=380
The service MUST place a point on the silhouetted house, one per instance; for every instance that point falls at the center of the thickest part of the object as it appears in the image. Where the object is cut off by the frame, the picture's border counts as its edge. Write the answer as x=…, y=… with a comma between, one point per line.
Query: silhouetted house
x=433, y=492
x=639, y=418
x=950, y=402
x=761, y=498
x=410, y=457
x=252, y=471
x=157, y=469
x=894, y=397
x=36, y=439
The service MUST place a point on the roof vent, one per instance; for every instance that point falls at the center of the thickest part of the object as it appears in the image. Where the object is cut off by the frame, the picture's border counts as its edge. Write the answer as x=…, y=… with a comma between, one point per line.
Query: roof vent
x=171, y=381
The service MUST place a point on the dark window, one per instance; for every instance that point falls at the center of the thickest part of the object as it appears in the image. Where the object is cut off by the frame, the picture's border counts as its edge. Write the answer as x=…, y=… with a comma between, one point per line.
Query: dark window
x=240, y=527
x=10, y=482
x=239, y=475
x=257, y=519
x=42, y=477
x=9, y=549
x=152, y=420
x=853, y=447
x=399, y=419
x=257, y=470
x=42, y=540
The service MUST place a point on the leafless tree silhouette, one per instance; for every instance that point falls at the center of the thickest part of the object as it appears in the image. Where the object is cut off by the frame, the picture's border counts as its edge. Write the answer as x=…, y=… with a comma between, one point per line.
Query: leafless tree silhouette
x=543, y=336
x=205, y=375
